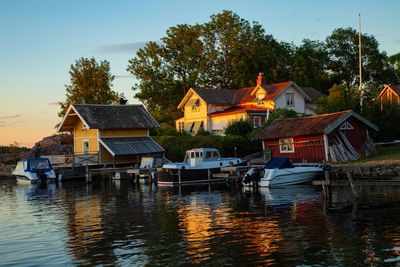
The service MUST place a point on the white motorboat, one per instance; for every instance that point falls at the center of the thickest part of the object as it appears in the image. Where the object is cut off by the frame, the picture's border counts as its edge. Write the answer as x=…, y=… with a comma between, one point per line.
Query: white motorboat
x=198, y=166
x=281, y=172
x=34, y=170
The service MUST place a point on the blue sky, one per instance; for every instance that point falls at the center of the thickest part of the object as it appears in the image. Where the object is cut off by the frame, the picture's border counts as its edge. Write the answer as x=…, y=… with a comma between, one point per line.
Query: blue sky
x=40, y=39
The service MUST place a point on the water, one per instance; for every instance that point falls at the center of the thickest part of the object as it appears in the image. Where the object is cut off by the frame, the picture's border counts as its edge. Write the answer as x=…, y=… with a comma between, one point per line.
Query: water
x=116, y=224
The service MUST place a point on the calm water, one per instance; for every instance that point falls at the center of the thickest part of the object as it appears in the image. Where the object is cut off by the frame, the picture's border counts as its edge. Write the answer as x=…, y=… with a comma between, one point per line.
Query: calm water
x=118, y=224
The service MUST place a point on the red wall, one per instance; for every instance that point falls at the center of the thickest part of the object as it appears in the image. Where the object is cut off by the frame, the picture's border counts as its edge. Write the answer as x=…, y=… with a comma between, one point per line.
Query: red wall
x=306, y=149
x=311, y=148
x=385, y=98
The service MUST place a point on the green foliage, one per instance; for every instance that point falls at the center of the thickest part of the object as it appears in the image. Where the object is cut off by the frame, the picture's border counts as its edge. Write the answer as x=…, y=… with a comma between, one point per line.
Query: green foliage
x=176, y=146
x=166, y=129
x=202, y=132
x=338, y=101
x=394, y=63
x=90, y=83
x=386, y=117
x=342, y=48
x=11, y=149
x=281, y=113
x=310, y=65
x=240, y=128
x=226, y=52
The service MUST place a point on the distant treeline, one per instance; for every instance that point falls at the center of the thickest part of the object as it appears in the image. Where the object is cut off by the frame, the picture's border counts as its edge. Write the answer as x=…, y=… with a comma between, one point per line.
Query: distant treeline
x=12, y=149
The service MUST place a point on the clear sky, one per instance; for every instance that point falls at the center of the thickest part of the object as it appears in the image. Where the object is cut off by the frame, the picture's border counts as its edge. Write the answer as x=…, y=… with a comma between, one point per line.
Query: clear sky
x=40, y=39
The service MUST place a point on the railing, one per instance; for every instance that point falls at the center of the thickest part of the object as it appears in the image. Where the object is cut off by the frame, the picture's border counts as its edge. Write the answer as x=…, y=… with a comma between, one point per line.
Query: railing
x=72, y=160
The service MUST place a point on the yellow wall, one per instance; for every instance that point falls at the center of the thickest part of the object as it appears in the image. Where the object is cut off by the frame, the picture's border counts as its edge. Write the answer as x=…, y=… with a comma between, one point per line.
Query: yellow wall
x=124, y=133
x=221, y=122
x=81, y=134
x=193, y=115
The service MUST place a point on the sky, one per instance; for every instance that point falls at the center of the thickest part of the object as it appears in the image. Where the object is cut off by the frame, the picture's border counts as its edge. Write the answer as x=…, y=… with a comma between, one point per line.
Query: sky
x=40, y=39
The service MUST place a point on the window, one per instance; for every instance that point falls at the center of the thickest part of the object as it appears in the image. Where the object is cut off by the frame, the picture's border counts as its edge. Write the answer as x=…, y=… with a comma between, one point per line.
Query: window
x=346, y=126
x=85, y=144
x=290, y=99
x=257, y=121
x=196, y=105
x=286, y=145
x=181, y=126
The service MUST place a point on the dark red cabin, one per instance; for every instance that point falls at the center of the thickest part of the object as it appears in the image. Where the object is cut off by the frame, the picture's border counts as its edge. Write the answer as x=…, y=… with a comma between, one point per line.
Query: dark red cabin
x=336, y=136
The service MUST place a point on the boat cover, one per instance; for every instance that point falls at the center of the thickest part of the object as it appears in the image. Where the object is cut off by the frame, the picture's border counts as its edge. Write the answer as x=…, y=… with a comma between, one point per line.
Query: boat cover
x=280, y=163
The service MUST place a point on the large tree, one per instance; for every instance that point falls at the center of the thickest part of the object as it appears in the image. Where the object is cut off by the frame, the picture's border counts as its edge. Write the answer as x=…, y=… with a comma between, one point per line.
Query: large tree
x=227, y=52
x=90, y=83
x=342, y=47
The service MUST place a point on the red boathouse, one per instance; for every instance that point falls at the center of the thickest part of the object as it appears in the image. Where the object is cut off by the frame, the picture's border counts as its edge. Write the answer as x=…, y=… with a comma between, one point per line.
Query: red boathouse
x=336, y=136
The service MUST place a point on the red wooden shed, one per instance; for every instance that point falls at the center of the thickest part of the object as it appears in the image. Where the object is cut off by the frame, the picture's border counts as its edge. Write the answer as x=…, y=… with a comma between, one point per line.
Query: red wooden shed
x=336, y=136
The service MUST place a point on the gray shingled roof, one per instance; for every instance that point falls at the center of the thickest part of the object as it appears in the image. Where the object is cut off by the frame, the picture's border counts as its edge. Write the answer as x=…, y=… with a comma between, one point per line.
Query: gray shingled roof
x=125, y=146
x=116, y=116
x=312, y=93
x=216, y=96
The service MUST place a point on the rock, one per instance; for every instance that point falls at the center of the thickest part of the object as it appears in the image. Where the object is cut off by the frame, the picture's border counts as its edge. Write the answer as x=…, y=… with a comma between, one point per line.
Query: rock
x=61, y=144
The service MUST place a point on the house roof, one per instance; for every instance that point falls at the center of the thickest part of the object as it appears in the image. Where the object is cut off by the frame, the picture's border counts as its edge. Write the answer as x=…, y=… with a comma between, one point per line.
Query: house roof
x=125, y=146
x=312, y=93
x=108, y=117
x=312, y=125
x=395, y=88
x=239, y=109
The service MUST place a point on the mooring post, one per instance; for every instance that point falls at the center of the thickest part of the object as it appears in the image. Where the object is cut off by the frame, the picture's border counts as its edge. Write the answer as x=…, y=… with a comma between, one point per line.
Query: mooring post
x=179, y=177
x=88, y=174
x=209, y=174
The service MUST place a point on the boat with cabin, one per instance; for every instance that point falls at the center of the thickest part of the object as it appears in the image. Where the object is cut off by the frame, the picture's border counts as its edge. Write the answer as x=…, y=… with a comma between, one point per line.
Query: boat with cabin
x=197, y=167
x=34, y=170
x=281, y=172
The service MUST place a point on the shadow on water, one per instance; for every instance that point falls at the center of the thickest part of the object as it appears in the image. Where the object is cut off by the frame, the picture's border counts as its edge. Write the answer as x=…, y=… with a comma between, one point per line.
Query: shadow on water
x=118, y=223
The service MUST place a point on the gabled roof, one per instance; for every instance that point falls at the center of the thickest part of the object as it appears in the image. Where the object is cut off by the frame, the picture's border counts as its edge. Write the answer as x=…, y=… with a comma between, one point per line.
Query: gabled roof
x=105, y=117
x=312, y=125
x=312, y=93
x=394, y=88
x=242, y=95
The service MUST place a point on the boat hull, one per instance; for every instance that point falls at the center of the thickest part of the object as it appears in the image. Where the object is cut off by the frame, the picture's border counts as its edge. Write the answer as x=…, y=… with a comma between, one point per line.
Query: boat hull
x=174, y=177
x=291, y=176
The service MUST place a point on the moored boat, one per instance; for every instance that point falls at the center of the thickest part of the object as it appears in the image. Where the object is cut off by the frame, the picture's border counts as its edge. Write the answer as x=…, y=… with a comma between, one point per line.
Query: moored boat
x=34, y=170
x=197, y=167
x=281, y=172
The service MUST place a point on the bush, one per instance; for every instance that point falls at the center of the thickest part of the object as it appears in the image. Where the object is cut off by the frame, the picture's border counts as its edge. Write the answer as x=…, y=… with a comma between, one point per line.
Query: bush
x=240, y=128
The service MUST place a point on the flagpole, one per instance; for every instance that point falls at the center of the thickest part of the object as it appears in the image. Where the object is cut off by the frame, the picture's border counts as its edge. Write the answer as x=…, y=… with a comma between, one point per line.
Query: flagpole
x=360, y=61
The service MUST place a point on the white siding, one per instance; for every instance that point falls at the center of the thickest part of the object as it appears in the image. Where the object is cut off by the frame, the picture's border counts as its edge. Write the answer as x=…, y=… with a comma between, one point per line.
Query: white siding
x=299, y=103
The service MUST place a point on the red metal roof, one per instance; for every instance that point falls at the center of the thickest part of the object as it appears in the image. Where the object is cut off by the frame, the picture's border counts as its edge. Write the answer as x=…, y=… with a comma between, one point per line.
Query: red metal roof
x=311, y=125
x=240, y=109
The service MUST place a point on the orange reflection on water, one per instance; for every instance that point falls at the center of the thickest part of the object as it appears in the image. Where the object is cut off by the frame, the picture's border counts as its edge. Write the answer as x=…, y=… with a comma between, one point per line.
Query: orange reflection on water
x=203, y=224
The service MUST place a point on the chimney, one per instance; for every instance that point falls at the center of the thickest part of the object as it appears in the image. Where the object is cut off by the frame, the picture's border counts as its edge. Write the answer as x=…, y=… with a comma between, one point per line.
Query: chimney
x=121, y=100
x=261, y=79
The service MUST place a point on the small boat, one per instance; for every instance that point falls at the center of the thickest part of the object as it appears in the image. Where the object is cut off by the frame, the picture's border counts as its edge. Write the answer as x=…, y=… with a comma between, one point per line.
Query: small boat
x=34, y=170
x=281, y=172
x=197, y=167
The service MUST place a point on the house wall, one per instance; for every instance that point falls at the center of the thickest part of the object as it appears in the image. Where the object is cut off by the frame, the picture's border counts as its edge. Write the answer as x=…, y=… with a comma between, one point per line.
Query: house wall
x=310, y=108
x=299, y=103
x=356, y=136
x=390, y=96
x=191, y=115
x=219, y=123
x=124, y=133
x=81, y=134
x=306, y=149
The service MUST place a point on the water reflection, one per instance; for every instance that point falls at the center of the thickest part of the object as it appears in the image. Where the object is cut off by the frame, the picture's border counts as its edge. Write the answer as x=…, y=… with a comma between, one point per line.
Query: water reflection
x=120, y=224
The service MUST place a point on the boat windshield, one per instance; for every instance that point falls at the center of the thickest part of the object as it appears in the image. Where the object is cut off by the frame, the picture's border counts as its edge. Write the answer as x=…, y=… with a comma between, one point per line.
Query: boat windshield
x=212, y=155
x=193, y=155
x=39, y=164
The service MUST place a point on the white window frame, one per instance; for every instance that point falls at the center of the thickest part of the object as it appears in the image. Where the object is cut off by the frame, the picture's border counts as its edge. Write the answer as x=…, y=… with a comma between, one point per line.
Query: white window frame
x=257, y=121
x=286, y=145
x=289, y=99
x=346, y=126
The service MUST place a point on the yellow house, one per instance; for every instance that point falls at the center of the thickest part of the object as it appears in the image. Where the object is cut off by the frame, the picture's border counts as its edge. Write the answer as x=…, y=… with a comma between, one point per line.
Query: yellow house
x=213, y=110
x=106, y=134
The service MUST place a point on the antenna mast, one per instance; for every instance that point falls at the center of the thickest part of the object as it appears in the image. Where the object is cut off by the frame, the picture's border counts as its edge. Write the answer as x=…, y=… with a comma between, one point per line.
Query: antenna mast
x=360, y=61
